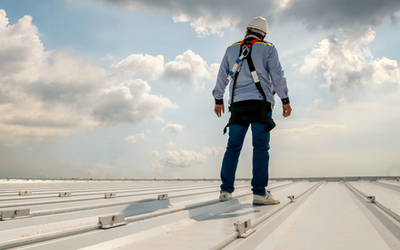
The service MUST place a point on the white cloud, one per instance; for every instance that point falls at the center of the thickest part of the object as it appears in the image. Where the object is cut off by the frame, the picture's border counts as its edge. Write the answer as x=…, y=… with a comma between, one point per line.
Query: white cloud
x=217, y=152
x=188, y=68
x=130, y=101
x=349, y=64
x=20, y=49
x=386, y=71
x=182, y=158
x=134, y=138
x=137, y=63
x=206, y=24
x=46, y=93
x=43, y=93
x=213, y=69
x=173, y=128
x=182, y=18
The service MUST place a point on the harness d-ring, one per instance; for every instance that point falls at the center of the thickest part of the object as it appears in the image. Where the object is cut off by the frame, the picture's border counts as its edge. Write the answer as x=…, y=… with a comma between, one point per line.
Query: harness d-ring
x=245, y=51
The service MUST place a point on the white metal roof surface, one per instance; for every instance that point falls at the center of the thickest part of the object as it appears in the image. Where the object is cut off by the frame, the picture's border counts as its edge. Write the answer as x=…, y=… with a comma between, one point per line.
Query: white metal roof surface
x=332, y=213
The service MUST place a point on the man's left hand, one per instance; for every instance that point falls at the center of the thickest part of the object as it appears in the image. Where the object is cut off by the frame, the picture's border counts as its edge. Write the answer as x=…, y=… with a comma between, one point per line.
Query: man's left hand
x=287, y=110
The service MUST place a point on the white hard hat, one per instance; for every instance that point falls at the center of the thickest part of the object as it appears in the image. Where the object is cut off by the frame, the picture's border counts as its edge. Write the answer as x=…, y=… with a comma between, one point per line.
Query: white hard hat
x=258, y=25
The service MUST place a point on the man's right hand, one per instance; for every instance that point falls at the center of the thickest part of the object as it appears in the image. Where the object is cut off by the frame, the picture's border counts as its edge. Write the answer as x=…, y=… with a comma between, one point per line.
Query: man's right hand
x=287, y=110
x=219, y=109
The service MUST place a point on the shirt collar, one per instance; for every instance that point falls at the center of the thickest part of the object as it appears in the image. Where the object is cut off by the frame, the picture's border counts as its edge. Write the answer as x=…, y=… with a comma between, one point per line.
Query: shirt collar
x=252, y=36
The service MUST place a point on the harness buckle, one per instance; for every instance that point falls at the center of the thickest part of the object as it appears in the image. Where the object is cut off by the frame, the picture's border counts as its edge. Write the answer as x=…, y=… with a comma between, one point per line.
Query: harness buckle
x=245, y=50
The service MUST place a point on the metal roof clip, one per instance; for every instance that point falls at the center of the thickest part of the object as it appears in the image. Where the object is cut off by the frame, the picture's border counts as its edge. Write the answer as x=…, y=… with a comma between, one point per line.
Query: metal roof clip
x=371, y=199
x=15, y=214
x=110, y=195
x=163, y=196
x=112, y=221
x=64, y=194
x=244, y=228
x=25, y=192
x=292, y=199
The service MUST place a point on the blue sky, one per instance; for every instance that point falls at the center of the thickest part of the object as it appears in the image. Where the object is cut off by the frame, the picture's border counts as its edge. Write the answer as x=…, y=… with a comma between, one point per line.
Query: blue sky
x=122, y=89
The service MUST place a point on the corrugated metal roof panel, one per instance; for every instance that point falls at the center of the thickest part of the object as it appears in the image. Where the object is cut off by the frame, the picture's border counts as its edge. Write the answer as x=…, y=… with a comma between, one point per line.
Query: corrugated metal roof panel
x=325, y=213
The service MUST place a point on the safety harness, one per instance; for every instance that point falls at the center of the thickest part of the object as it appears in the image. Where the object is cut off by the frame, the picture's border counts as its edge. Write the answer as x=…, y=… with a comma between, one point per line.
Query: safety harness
x=244, y=115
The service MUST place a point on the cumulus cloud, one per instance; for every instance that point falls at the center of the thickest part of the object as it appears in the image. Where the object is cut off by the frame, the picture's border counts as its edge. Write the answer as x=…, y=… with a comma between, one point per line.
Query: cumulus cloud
x=206, y=25
x=349, y=64
x=217, y=152
x=188, y=68
x=129, y=101
x=21, y=49
x=214, y=69
x=70, y=80
x=182, y=158
x=137, y=63
x=43, y=93
x=134, y=138
x=46, y=93
x=173, y=128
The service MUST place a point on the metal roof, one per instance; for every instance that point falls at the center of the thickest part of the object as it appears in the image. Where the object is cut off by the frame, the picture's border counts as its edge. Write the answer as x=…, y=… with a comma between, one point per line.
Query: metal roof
x=314, y=213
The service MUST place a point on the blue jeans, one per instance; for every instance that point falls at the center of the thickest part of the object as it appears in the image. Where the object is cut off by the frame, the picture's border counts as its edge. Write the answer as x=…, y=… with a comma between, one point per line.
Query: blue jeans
x=261, y=139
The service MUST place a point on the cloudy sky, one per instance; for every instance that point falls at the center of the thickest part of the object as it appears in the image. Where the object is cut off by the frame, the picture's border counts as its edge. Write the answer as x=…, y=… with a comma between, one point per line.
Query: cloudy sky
x=122, y=88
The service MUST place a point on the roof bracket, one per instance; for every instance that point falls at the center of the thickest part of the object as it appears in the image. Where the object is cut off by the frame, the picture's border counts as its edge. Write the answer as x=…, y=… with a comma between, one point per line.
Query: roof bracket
x=25, y=192
x=65, y=194
x=110, y=195
x=371, y=199
x=163, y=196
x=292, y=199
x=244, y=228
x=15, y=214
x=112, y=221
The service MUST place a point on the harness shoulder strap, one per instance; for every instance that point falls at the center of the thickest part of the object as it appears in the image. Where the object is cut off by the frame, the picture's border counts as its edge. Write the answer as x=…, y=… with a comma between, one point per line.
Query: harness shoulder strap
x=245, y=53
x=255, y=76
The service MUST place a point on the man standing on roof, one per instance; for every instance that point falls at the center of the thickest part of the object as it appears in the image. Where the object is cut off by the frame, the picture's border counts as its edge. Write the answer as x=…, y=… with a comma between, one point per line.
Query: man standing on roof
x=251, y=101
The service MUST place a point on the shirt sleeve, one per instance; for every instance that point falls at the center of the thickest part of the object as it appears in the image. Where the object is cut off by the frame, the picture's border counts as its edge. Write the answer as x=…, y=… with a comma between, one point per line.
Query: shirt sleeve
x=222, y=81
x=278, y=76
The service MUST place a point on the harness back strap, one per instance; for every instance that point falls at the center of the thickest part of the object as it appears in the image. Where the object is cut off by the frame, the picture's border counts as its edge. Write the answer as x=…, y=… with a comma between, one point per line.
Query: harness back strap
x=255, y=76
x=245, y=52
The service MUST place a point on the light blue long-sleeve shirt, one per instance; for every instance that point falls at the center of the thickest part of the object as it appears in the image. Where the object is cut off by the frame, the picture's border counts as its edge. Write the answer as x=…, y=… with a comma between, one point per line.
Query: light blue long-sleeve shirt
x=268, y=68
